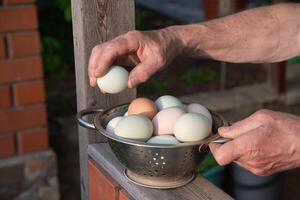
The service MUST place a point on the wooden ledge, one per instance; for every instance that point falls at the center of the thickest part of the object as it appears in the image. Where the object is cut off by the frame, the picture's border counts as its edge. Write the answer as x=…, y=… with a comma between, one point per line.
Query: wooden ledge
x=200, y=188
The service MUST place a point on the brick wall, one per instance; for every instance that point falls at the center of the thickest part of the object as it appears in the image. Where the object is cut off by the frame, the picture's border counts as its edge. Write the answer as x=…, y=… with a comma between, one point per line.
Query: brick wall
x=23, y=124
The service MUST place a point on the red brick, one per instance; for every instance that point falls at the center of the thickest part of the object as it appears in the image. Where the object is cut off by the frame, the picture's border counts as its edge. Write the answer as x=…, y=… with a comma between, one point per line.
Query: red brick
x=101, y=185
x=20, y=69
x=34, y=140
x=29, y=92
x=18, y=18
x=2, y=47
x=8, y=2
x=22, y=118
x=23, y=44
x=7, y=146
x=5, y=97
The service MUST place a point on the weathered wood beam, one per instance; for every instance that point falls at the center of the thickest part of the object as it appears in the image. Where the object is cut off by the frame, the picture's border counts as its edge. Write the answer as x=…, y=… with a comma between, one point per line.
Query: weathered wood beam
x=199, y=189
x=94, y=22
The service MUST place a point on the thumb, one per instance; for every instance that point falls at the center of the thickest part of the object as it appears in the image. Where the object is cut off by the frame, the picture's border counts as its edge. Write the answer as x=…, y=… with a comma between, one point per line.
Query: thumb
x=141, y=73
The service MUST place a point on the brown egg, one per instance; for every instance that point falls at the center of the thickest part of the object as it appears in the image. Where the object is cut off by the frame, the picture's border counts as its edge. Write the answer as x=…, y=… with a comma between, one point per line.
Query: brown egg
x=142, y=106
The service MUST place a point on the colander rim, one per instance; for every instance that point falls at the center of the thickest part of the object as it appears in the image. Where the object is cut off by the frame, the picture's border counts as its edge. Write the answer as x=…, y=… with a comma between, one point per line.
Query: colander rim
x=100, y=117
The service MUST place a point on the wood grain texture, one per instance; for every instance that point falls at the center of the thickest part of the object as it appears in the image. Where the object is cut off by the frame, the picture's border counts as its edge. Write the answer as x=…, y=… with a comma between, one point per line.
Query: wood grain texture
x=101, y=186
x=94, y=22
x=199, y=189
x=123, y=195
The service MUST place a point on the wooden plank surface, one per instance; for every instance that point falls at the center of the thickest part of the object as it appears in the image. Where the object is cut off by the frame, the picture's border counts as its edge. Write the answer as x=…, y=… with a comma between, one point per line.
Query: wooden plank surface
x=101, y=186
x=96, y=21
x=123, y=195
x=199, y=189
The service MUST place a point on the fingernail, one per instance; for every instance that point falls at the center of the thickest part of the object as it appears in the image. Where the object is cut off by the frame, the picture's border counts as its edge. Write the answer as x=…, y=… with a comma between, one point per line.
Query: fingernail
x=93, y=81
x=223, y=129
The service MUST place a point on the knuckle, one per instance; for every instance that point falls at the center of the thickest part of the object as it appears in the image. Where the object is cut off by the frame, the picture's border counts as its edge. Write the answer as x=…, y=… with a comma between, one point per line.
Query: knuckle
x=132, y=34
x=263, y=115
x=259, y=172
x=96, y=49
x=121, y=40
x=253, y=163
x=109, y=47
x=108, y=53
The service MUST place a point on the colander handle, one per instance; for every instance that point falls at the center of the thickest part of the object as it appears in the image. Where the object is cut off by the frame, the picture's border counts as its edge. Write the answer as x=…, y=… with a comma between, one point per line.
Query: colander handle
x=219, y=139
x=89, y=111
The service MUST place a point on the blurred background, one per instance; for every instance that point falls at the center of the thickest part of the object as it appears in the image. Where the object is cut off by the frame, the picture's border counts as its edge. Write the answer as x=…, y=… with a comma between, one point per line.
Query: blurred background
x=235, y=90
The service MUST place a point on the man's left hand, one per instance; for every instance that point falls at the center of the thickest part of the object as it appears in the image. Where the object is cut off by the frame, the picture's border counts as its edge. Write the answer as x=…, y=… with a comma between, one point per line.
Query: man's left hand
x=264, y=143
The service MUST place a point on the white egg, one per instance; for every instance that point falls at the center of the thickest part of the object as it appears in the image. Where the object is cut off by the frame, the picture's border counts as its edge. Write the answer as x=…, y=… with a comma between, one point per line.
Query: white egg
x=125, y=114
x=167, y=101
x=136, y=127
x=163, y=139
x=114, y=81
x=198, y=108
x=191, y=127
x=111, y=125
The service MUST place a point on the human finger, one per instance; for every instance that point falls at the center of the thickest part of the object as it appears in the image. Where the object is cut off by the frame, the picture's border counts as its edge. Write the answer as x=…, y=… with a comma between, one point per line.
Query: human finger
x=141, y=73
x=226, y=153
x=104, y=55
x=239, y=127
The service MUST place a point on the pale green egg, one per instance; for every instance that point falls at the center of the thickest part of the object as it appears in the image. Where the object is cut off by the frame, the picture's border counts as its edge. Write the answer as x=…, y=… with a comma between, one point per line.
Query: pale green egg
x=114, y=81
x=135, y=127
x=167, y=101
x=191, y=127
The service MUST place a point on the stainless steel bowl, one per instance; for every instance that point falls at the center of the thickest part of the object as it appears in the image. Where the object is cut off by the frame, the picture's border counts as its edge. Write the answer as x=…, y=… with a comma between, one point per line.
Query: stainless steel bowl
x=153, y=165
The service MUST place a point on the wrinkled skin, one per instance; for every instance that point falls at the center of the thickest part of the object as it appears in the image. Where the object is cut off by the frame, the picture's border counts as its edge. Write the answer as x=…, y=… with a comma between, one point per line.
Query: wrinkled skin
x=267, y=141
x=264, y=143
x=147, y=51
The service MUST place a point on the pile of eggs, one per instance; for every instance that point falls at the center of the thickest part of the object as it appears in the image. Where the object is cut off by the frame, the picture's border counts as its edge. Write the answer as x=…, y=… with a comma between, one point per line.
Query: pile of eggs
x=166, y=121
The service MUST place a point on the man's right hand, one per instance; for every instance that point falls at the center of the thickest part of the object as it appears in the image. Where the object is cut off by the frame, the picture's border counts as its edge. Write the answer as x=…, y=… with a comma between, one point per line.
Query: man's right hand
x=147, y=52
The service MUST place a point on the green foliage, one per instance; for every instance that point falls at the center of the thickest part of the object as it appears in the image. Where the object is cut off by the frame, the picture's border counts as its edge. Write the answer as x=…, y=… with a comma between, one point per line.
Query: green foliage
x=154, y=86
x=294, y=60
x=52, y=51
x=65, y=7
x=199, y=75
x=56, y=36
x=207, y=164
x=138, y=18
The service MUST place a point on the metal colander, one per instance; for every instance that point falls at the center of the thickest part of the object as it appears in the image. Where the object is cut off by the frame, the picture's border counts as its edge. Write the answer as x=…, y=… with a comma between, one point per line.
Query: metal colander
x=153, y=165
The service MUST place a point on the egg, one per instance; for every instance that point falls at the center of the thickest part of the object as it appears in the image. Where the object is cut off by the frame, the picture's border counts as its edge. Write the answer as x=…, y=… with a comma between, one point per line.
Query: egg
x=125, y=114
x=114, y=81
x=198, y=108
x=111, y=125
x=135, y=127
x=163, y=139
x=164, y=121
x=142, y=106
x=167, y=101
x=191, y=127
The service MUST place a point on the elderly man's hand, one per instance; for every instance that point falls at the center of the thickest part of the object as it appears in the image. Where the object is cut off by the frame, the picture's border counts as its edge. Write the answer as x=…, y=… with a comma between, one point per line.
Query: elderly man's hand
x=146, y=51
x=264, y=143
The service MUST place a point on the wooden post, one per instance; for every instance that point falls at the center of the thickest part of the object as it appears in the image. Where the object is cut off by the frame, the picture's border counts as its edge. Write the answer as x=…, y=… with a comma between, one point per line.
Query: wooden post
x=94, y=22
